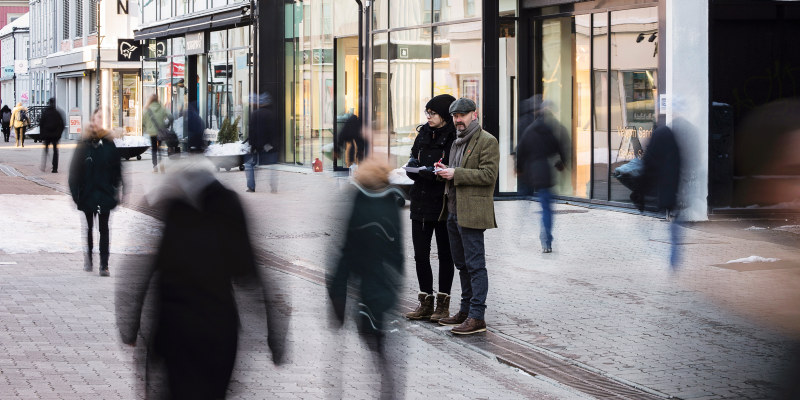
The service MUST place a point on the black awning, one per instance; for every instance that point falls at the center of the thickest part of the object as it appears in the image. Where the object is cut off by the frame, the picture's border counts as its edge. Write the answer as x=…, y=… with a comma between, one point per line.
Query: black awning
x=193, y=24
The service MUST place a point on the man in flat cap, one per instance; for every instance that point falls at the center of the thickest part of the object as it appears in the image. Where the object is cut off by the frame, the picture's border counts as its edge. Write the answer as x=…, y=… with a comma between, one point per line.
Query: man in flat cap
x=469, y=208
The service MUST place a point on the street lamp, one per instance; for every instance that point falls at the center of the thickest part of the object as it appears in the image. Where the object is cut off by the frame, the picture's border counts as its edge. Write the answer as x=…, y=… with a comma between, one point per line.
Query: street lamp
x=97, y=88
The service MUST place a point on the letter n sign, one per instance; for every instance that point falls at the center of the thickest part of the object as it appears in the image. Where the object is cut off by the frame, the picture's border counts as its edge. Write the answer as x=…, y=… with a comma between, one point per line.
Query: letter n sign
x=122, y=6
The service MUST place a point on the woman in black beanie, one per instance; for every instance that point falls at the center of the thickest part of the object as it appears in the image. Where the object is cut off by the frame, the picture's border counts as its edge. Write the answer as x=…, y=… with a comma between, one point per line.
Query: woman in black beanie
x=432, y=145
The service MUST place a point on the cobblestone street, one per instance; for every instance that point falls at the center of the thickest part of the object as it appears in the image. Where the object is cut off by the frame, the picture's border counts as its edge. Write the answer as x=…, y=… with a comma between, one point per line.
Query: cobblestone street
x=600, y=317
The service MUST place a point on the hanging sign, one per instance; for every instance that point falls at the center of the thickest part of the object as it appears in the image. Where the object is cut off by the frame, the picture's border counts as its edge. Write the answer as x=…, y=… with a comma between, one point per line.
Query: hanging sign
x=195, y=43
x=129, y=50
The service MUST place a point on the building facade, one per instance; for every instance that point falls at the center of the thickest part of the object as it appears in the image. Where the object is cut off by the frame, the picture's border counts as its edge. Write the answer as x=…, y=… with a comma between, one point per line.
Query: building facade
x=10, y=10
x=14, y=54
x=73, y=67
x=43, y=43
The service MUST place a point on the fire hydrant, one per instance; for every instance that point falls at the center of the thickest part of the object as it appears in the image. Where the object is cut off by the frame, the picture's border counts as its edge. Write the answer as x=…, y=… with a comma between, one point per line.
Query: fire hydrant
x=317, y=164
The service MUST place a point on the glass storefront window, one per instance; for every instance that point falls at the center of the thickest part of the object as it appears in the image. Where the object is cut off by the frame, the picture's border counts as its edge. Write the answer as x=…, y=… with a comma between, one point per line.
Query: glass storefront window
x=380, y=94
x=633, y=80
x=199, y=5
x=380, y=14
x=240, y=85
x=218, y=40
x=179, y=93
x=164, y=9
x=219, y=95
x=409, y=90
x=600, y=152
x=181, y=7
x=149, y=11
x=218, y=3
x=239, y=37
x=508, y=100
x=410, y=13
x=346, y=17
x=445, y=10
x=458, y=63
x=581, y=158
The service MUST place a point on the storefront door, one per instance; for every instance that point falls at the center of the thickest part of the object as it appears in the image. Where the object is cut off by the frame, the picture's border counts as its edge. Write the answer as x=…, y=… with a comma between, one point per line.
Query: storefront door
x=346, y=88
x=126, y=102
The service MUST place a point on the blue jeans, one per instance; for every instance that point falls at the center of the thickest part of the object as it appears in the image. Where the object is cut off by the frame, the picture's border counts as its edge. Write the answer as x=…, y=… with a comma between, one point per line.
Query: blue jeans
x=546, y=233
x=253, y=159
x=469, y=257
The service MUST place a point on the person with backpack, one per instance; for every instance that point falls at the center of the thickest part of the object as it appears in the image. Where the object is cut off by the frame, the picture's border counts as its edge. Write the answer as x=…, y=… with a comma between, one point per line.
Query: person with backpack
x=19, y=121
x=95, y=179
x=5, y=117
x=156, y=123
x=51, y=127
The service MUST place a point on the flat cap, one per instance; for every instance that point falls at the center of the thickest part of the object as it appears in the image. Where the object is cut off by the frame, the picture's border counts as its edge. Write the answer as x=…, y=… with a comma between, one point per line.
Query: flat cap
x=462, y=106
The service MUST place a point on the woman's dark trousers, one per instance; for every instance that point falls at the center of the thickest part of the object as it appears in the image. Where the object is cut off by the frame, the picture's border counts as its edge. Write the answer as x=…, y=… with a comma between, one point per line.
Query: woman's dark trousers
x=421, y=234
x=154, y=149
x=103, y=226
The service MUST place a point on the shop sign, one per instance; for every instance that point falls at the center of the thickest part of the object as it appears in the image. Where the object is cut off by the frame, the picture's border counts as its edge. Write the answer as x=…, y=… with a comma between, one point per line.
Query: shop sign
x=75, y=124
x=195, y=43
x=178, y=69
x=129, y=50
x=156, y=48
x=21, y=66
x=223, y=71
x=8, y=72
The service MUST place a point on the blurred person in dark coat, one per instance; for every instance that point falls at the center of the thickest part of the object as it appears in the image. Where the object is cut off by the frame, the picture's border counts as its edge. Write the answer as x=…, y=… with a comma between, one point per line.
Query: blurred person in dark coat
x=192, y=332
x=51, y=127
x=263, y=140
x=372, y=254
x=432, y=144
x=5, y=119
x=542, y=140
x=95, y=179
x=661, y=177
x=351, y=142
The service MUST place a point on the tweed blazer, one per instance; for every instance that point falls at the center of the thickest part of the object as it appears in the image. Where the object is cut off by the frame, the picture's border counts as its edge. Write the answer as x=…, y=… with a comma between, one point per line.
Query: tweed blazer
x=475, y=181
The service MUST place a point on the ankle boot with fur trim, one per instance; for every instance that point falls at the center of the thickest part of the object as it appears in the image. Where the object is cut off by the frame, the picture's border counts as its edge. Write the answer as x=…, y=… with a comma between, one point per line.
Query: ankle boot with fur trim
x=425, y=308
x=442, y=307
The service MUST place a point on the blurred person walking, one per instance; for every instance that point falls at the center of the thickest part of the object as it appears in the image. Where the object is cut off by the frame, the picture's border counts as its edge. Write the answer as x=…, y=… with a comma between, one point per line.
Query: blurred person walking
x=432, y=144
x=542, y=140
x=51, y=127
x=263, y=140
x=5, y=120
x=661, y=176
x=19, y=121
x=469, y=207
x=156, y=123
x=191, y=329
x=351, y=142
x=95, y=179
x=372, y=253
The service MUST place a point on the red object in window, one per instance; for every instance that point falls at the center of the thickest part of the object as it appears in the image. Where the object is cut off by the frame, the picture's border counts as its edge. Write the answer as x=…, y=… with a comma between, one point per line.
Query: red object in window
x=317, y=165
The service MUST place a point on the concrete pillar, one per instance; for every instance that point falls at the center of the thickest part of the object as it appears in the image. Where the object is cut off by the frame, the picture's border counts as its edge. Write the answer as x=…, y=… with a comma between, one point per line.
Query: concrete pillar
x=688, y=98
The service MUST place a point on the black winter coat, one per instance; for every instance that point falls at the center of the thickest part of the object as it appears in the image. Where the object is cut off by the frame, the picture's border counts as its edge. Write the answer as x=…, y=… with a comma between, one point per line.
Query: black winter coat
x=51, y=125
x=544, y=138
x=430, y=146
x=263, y=130
x=95, y=175
x=662, y=168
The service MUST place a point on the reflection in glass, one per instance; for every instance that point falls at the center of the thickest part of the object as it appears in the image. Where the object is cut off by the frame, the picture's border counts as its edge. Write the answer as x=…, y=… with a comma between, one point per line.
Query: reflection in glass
x=149, y=11
x=198, y=5
x=581, y=157
x=346, y=18
x=409, y=13
x=165, y=9
x=633, y=79
x=457, y=61
x=219, y=96
x=508, y=101
x=380, y=95
x=240, y=82
x=600, y=97
x=444, y=10
x=380, y=14
x=409, y=90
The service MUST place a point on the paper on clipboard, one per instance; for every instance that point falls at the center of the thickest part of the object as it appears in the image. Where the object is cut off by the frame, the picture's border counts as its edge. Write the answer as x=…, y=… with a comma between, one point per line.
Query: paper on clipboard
x=414, y=169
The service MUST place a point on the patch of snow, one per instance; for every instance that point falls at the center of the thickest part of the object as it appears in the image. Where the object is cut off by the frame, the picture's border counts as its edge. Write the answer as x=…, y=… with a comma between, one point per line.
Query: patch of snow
x=789, y=228
x=792, y=205
x=754, y=228
x=132, y=141
x=228, y=149
x=752, y=259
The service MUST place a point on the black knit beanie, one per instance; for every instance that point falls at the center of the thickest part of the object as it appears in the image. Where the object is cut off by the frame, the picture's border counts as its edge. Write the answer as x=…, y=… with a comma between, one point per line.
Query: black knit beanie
x=441, y=105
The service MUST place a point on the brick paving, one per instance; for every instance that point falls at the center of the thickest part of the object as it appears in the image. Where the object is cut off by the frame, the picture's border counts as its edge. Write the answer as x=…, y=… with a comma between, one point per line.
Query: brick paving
x=605, y=300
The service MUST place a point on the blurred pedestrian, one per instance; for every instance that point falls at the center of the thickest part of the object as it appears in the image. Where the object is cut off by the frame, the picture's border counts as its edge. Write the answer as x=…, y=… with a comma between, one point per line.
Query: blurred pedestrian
x=5, y=120
x=191, y=329
x=469, y=206
x=51, y=127
x=542, y=140
x=373, y=254
x=661, y=176
x=95, y=179
x=263, y=140
x=19, y=121
x=351, y=142
x=432, y=144
x=156, y=123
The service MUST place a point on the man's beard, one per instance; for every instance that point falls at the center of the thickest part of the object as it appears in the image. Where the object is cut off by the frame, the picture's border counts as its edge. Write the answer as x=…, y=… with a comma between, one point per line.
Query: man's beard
x=461, y=127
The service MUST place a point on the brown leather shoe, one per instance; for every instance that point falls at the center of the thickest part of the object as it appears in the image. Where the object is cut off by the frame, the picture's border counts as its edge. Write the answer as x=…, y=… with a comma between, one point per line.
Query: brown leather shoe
x=470, y=326
x=456, y=319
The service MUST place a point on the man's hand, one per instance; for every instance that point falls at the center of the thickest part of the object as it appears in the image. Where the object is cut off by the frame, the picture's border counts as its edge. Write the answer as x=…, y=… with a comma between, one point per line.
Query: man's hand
x=447, y=173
